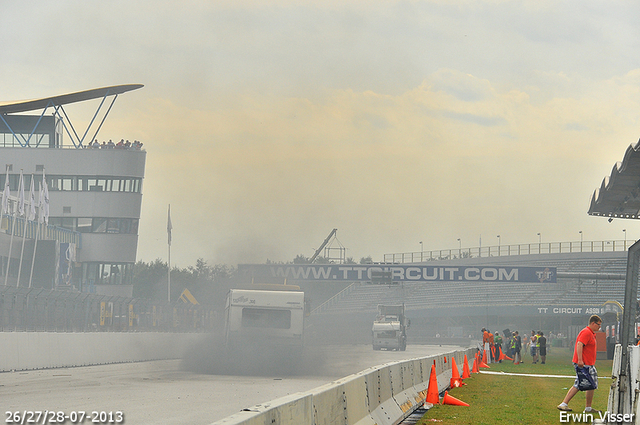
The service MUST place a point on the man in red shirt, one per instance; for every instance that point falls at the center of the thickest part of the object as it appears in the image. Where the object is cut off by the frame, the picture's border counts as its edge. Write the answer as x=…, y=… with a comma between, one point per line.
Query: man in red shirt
x=584, y=360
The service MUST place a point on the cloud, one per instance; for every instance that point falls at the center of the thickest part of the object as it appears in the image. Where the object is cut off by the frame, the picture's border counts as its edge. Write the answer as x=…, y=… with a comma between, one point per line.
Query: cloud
x=267, y=124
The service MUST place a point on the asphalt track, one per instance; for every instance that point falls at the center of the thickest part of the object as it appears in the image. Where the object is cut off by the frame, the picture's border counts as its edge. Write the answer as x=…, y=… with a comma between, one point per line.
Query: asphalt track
x=164, y=392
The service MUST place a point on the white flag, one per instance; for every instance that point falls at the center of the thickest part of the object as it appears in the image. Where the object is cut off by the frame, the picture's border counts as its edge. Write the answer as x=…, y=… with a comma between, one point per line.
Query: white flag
x=32, y=200
x=5, y=195
x=45, y=192
x=41, y=205
x=169, y=226
x=20, y=205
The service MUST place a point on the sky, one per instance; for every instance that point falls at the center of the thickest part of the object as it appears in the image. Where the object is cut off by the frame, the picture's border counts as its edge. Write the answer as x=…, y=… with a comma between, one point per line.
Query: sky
x=269, y=123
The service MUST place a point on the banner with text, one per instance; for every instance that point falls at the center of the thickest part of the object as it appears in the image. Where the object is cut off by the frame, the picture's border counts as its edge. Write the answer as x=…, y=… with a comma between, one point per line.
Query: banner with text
x=262, y=273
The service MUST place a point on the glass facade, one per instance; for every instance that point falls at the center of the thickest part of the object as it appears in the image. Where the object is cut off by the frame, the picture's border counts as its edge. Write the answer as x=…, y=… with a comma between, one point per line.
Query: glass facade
x=77, y=183
x=128, y=226
x=106, y=273
x=8, y=140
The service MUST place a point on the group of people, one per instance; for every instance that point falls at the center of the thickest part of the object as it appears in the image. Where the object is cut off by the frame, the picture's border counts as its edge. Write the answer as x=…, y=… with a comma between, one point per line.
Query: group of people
x=537, y=344
x=122, y=144
x=584, y=358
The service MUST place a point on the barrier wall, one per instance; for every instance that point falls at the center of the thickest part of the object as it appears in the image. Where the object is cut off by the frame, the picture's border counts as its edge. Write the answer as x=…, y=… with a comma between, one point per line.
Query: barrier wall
x=39, y=350
x=624, y=391
x=382, y=395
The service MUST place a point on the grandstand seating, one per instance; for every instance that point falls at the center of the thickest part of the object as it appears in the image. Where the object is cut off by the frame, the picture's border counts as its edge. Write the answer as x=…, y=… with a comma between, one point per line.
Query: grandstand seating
x=364, y=297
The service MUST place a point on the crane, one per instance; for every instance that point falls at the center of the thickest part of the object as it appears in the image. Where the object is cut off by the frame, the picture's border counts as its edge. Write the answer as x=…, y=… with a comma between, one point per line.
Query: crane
x=326, y=241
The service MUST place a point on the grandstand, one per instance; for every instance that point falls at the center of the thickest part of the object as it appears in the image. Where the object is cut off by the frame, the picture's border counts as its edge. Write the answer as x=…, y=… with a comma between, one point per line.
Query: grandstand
x=585, y=281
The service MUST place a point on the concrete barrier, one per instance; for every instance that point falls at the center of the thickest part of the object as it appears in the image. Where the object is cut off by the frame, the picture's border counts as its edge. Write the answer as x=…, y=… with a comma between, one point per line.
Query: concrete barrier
x=41, y=350
x=383, y=395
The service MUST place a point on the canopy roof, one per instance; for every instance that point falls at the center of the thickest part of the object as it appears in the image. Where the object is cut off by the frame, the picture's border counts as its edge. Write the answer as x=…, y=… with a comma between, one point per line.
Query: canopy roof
x=64, y=99
x=619, y=193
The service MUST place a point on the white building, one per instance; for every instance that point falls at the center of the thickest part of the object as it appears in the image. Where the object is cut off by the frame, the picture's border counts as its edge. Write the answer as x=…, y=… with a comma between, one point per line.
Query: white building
x=95, y=197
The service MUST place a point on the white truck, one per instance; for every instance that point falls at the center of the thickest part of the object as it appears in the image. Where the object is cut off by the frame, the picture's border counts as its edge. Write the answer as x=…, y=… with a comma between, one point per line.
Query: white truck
x=265, y=318
x=390, y=328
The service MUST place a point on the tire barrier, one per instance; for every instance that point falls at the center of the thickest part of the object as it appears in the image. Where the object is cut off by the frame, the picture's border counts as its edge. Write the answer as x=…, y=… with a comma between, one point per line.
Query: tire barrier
x=381, y=395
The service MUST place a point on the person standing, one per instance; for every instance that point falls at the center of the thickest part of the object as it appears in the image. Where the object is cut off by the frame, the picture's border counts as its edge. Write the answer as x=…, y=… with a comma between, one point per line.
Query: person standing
x=517, y=347
x=492, y=347
x=584, y=360
x=485, y=341
x=497, y=340
x=533, y=347
x=542, y=347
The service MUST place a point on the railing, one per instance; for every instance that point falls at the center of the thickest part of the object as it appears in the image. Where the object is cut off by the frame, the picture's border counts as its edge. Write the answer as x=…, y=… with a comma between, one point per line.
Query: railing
x=508, y=250
x=45, y=232
x=334, y=300
x=39, y=309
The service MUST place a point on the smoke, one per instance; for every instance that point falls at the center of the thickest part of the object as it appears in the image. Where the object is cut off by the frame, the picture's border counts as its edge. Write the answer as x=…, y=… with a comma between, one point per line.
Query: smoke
x=255, y=358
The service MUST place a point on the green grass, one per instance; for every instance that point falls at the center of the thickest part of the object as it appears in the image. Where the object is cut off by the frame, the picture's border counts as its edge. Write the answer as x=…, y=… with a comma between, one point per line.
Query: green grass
x=509, y=399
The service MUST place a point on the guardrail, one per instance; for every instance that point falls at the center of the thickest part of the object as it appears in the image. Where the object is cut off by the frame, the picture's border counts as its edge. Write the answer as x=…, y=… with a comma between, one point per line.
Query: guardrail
x=508, y=250
x=382, y=395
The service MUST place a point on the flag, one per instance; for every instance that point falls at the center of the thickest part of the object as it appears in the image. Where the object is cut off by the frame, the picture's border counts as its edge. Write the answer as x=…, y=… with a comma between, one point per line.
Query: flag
x=32, y=201
x=169, y=226
x=45, y=199
x=5, y=195
x=41, y=205
x=20, y=204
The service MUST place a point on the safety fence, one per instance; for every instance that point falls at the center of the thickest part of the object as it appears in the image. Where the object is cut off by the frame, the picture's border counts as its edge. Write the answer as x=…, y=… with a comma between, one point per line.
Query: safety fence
x=382, y=395
x=508, y=250
x=624, y=394
x=39, y=309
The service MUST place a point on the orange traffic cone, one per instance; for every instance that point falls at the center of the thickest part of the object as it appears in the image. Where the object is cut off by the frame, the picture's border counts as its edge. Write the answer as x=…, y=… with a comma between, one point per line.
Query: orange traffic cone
x=433, y=395
x=475, y=366
x=483, y=362
x=455, y=381
x=447, y=399
x=465, y=369
x=503, y=356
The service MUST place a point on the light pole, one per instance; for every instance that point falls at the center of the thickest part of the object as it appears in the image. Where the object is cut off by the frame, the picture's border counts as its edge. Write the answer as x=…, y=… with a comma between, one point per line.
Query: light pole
x=421, y=251
x=625, y=238
x=498, y=245
x=459, y=248
x=580, y=240
x=539, y=243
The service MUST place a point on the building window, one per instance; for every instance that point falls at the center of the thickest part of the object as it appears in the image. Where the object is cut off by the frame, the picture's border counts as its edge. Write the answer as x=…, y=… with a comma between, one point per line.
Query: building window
x=94, y=184
x=107, y=273
x=127, y=226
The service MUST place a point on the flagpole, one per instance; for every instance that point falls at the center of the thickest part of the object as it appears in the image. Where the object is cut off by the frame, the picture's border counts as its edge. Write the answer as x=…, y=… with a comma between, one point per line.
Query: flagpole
x=33, y=260
x=19, y=208
x=5, y=203
x=13, y=230
x=27, y=218
x=169, y=227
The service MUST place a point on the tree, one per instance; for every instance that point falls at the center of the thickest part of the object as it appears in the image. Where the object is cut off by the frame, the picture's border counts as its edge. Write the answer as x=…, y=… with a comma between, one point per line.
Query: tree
x=208, y=284
x=149, y=279
x=301, y=259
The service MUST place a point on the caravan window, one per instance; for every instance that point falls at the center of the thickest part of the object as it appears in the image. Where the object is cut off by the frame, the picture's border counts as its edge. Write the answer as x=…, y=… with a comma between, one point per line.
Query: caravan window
x=266, y=318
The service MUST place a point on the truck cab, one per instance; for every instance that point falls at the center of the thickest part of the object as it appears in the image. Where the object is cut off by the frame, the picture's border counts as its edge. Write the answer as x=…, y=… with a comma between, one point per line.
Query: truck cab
x=390, y=328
